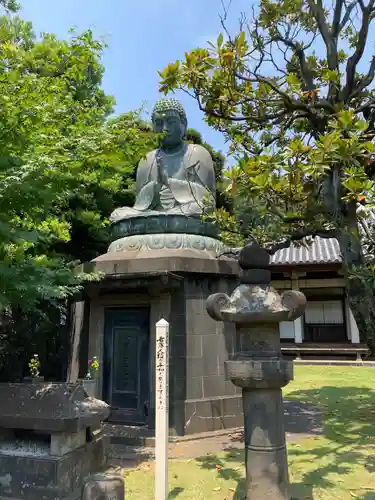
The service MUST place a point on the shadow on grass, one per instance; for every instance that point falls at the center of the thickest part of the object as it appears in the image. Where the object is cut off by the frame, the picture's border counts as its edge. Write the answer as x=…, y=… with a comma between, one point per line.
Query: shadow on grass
x=175, y=492
x=225, y=471
x=348, y=428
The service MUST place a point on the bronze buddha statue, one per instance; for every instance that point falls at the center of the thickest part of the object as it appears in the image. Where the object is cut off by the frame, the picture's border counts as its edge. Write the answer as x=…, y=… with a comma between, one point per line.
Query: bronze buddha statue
x=177, y=178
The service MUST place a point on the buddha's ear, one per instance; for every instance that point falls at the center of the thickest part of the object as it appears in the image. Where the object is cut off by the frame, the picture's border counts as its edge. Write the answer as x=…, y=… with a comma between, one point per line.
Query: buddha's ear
x=184, y=129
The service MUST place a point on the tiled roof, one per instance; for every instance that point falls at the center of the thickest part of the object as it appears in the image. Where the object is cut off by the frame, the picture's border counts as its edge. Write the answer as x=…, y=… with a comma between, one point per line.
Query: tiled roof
x=321, y=251
x=324, y=250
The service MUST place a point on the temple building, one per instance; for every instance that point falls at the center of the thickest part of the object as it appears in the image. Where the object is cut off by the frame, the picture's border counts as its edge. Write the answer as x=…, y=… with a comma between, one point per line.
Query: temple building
x=328, y=326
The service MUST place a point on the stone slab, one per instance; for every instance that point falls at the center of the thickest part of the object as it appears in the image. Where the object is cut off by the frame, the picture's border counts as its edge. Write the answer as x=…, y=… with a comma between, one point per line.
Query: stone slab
x=65, y=442
x=49, y=407
x=147, y=261
x=104, y=487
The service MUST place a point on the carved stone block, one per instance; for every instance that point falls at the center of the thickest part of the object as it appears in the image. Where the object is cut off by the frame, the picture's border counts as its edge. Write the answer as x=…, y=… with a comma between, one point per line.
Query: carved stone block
x=103, y=487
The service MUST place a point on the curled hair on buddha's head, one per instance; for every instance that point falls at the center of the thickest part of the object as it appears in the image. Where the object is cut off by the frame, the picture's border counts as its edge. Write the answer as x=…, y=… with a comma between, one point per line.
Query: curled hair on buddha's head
x=170, y=105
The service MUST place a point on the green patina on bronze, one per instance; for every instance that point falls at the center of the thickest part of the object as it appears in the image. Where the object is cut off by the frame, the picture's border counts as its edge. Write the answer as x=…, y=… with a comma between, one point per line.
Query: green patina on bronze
x=170, y=241
x=177, y=178
x=163, y=223
x=175, y=185
x=168, y=106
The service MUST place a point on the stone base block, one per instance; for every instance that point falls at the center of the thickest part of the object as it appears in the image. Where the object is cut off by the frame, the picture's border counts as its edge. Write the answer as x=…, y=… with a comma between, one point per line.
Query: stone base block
x=104, y=487
x=40, y=476
x=65, y=442
x=213, y=414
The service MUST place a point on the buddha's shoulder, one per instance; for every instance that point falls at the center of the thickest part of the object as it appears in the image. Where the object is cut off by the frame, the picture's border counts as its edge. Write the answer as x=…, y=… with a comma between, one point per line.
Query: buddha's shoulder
x=199, y=152
x=148, y=158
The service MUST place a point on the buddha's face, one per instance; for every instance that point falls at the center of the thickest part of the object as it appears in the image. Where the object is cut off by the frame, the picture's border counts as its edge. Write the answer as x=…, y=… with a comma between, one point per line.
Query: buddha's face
x=170, y=125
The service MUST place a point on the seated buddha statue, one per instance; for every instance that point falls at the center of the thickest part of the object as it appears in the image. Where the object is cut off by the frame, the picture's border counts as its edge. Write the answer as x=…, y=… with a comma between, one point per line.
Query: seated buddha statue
x=176, y=178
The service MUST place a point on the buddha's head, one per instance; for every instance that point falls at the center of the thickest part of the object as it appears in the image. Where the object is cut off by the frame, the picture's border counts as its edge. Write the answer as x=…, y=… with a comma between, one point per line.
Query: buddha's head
x=169, y=118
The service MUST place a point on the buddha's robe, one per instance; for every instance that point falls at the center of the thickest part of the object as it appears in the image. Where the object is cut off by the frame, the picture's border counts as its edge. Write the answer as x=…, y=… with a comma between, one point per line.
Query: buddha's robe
x=189, y=190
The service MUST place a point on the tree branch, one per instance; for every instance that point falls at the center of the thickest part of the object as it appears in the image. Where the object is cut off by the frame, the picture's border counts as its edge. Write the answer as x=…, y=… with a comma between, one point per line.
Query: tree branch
x=353, y=60
x=323, y=233
x=272, y=249
x=294, y=103
x=255, y=118
x=286, y=220
x=317, y=10
x=362, y=5
x=347, y=15
x=366, y=80
x=336, y=18
x=300, y=54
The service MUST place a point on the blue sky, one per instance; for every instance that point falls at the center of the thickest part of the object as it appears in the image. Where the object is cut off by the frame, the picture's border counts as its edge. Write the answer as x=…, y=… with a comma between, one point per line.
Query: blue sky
x=143, y=36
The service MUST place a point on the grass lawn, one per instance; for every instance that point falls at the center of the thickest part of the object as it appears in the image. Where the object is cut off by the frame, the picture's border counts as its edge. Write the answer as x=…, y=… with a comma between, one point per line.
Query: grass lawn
x=340, y=464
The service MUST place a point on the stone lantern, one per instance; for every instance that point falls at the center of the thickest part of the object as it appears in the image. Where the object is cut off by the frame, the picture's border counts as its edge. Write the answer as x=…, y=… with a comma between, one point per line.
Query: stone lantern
x=258, y=367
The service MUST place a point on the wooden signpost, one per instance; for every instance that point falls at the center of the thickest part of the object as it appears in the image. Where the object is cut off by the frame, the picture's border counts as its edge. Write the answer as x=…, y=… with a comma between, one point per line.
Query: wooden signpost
x=161, y=410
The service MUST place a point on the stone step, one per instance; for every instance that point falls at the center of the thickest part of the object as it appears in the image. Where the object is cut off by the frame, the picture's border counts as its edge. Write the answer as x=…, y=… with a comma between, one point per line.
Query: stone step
x=142, y=437
x=129, y=435
x=131, y=452
x=129, y=457
x=124, y=440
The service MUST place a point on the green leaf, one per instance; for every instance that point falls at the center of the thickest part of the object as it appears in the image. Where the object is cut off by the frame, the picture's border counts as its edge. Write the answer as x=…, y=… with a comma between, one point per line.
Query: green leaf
x=220, y=40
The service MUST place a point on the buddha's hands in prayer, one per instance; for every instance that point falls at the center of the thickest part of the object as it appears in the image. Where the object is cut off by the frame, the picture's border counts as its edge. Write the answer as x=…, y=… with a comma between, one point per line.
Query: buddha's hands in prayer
x=163, y=176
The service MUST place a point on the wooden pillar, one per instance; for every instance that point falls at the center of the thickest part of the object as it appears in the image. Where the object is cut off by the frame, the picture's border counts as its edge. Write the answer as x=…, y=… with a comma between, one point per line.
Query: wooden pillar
x=298, y=330
x=351, y=325
x=77, y=312
x=298, y=323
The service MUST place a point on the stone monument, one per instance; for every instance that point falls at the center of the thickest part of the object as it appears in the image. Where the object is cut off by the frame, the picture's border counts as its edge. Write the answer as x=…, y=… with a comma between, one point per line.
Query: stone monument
x=162, y=263
x=258, y=368
x=50, y=440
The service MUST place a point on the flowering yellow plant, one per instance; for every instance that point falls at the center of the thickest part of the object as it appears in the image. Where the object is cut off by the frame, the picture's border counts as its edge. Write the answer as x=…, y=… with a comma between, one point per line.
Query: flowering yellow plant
x=34, y=366
x=93, y=367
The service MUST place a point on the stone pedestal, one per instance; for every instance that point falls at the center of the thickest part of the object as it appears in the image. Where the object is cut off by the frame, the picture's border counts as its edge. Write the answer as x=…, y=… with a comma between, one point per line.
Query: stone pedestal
x=169, y=275
x=49, y=440
x=258, y=368
x=174, y=285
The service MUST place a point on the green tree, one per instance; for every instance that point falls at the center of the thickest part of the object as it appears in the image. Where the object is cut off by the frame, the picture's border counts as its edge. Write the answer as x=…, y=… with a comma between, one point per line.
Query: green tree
x=293, y=91
x=223, y=200
x=10, y=5
x=64, y=165
x=87, y=211
x=56, y=147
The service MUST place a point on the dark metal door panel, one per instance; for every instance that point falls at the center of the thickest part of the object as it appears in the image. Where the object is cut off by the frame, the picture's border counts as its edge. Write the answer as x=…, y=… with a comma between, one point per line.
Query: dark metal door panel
x=127, y=363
